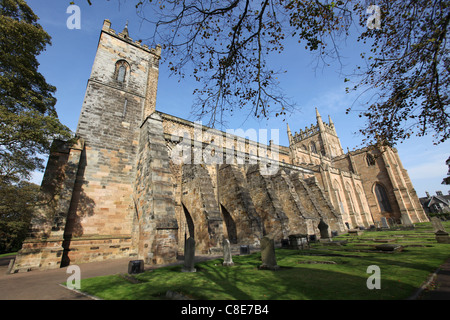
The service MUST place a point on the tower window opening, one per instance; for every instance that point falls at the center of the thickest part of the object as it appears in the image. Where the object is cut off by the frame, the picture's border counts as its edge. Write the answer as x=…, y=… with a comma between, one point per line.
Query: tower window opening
x=121, y=71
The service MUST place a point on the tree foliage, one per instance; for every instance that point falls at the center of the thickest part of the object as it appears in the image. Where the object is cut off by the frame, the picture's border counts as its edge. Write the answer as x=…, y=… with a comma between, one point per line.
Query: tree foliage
x=226, y=44
x=28, y=119
x=408, y=69
x=17, y=202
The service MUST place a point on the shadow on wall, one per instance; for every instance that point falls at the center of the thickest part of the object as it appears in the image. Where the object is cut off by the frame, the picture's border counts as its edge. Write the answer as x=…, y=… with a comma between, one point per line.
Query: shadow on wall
x=81, y=206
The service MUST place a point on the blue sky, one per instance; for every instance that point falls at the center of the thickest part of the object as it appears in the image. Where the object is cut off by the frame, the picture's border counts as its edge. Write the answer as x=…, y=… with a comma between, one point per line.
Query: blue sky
x=67, y=65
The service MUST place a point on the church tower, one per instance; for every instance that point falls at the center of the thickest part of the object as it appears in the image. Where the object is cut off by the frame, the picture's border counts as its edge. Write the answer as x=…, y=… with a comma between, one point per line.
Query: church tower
x=91, y=210
x=314, y=142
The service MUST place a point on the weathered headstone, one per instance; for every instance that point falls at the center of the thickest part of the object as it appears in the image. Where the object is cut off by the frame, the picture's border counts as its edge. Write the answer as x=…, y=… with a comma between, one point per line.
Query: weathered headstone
x=268, y=258
x=384, y=223
x=406, y=221
x=442, y=237
x=298, y=241
x=389, y=247
x=324, y=230
x=244, y=249
x=437, y=224
x=189, y=256
x=227, y=257
x=135, y=266
x=354, y=232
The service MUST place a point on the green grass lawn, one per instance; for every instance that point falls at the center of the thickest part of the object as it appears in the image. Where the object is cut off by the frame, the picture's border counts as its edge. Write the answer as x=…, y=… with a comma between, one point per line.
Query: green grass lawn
x=322, y=272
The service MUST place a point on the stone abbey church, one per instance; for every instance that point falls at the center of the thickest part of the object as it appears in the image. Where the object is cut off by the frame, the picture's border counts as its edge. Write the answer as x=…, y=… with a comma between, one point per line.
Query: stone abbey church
x=119, y=192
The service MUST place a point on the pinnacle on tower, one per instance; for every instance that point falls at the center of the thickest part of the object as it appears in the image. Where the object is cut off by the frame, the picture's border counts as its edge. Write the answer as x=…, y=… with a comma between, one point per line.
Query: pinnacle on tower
x=319, y=121
x=289, y=133
x=330, y=122
x=125, y=31
x=318, y=114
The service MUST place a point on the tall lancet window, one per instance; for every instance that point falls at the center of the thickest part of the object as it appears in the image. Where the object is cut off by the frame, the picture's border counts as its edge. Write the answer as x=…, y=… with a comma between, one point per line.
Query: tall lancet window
x=313, y=147
x=382, y=197
x=121, y=71
x=121, y=74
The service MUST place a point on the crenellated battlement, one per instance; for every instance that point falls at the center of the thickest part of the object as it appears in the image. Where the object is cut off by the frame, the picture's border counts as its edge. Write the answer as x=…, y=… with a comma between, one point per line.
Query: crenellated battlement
x=124, y=35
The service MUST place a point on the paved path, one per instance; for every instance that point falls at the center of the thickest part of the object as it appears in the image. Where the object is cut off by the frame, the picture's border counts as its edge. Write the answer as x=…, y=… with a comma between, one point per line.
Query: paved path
x=440, y=285
x=45, y=285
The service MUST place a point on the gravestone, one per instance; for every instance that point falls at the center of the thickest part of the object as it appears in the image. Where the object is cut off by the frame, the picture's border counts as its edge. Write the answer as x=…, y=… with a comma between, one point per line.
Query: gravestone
x=442, y=237
x=135, y=266
x=323, y=228
x=389, y=247
x=189, y=256
x=298, y=241
x=227, y=257
x=244, y=249
x=384, y=223
x=406, y=221
x=354, y=232
x=269, y=261
x=437, y=224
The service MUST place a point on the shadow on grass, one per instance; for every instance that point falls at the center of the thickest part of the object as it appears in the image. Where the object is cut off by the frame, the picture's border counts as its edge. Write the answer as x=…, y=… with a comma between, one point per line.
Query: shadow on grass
x=401, y=274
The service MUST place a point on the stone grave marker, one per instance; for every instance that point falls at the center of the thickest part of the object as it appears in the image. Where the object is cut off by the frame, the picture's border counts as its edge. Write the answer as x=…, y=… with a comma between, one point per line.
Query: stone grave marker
x=298, y=241
x=244, y=249
x=189, y=256
x=135, y=266
x=389, y=247
x=437, y=224
x=268, y=258
x=324, y=230
x=442, y=237
x=227, y=257
x=384, y=223
x=406, y=221
x=354, y=232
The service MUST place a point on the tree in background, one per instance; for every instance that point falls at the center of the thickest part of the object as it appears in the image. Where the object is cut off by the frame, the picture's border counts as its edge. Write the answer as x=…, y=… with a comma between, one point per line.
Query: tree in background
x=17, y=203
x=446, y=180
x=226, y=45
x=28, y=119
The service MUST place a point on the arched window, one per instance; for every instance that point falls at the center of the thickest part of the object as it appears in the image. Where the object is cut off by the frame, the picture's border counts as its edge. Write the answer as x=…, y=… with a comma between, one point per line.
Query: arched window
x=313, y=147
x=350, y=196
x=370, y=160
x=337, y=192
x=120, y=73
x=382, y=198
